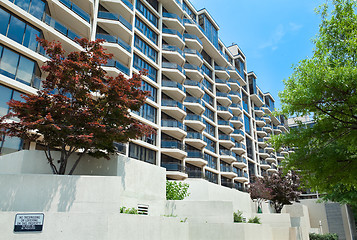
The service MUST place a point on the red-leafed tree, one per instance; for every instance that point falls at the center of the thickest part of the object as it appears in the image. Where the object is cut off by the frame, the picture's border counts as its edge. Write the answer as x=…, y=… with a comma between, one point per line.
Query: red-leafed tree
x=281, y=189
x=80, y=110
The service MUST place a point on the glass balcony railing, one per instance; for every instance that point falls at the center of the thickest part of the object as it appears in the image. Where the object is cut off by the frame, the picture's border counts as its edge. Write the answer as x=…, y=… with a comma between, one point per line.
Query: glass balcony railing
x=236, y=105
x=225, y=152
x=191, y=99
x=238, y=131
x=235, y=118
x=225, y=137
x=173, y=16
x=115, y=17
x=193, y=67
x=60, y=27
x=267, y=126
x=193, y=117
x=263, y=151
x=76, y=9
x=172, y=49
x=191, y=36
x=234, y=81
x=170, y=65
x=241, y=159
x=259, y=119
x=172, y=32
x=118, y=65
x=222, y=94
x=171, y=123
x=225, y=168
x=261, y=140
x=219, y=68
x=172, y=84
x=128, y=4
x=223, y=108
x=235, y=93
x=194, y=135
x=260, y=129
x=194, y=154
x=114, y=39
x=245, y=175
x=190, y=82
x=217, y=80
x=239, y=145
x=171, y=103
x=193, y=51
x=172, y=144
x=223, y=122
x=176, y=167
x=195, y=173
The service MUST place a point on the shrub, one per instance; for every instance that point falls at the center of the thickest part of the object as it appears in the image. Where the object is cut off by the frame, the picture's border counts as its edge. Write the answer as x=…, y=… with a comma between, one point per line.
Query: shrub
x=238, y=217
x=176, y=190
x=254, y=220
x=327, y=236
x=128, y=210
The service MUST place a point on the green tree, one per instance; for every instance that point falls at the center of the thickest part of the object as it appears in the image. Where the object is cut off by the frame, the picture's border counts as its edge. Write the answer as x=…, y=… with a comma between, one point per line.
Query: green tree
x=176, y=190
x=324, y=87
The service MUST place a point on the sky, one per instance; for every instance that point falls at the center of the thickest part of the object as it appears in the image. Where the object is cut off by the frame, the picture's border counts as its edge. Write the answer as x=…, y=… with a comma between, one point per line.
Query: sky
x=273, y=34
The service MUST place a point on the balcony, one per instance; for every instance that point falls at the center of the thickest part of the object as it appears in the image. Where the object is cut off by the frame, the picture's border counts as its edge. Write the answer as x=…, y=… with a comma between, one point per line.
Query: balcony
x=264, y=164
x=225, y=126
x=261, y=132
x=267, y=137
x=194, y=121
x=260, y=121
x=235, y=95
x=227, y=155
x=194, y=29
x=223, y=98
x=282, y=128
x=257, y=99
x=173, y=128
x=123, y=7
x=118, y=68
x=237, y=122
x=221, y=72
x=194, y=72
x=193, y=56
x=238, y=135
x=236, y=109
x=242, y=177
x=174, y=170
x=194, y=87
x=193, y=42
x=267, y=118
x=271, y=158
x=222, y=85
x=173, y=108
x=173, y=149
x=173, y=21
x=173, y=89
x=173, y=6
x=234, y=84
x=195, y=139
x=113, y=22
x=269, y=148
x=173, y=37
x=258, y=111
x=225, y=141
x=240, y=162
x=266, y=109
x=173, y=71
x=173, y=54
x=239, y=148
x=194, y=104
x=227, y=171
x=277, y=130
x=262, y=143
x=195, y=174
x=280, y=156
x=267, y=128
x=263, y=153
x=233, y=72
x=195, y=158
x=224, y=112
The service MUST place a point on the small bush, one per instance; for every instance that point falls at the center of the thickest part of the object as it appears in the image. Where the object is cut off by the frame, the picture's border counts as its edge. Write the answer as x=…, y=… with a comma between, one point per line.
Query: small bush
x=254, y=220
x=327, y=236
x=238, y=217
x=176, y=190
x=128, y=210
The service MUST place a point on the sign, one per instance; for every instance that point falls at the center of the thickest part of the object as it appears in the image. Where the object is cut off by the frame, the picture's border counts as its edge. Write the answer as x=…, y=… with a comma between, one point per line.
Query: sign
x=29, y=222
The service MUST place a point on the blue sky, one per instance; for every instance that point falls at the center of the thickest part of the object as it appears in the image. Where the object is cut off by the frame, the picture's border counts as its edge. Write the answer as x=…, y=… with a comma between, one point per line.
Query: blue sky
x=273, y=34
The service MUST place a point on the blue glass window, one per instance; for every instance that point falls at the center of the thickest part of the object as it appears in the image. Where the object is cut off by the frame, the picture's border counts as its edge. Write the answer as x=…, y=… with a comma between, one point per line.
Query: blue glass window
x=247, y=124
x=142, y=153
x=187, y=9
x=206, y=70
x=141, y=64
x=209, y=30
x=211, y=161
x=207, y=84
x=209, y=114
x=145, y=48
x=146, y=30
x=208, y=99
x=4, y=21
x=148, y=112
x=34, y=7
x=5, y=97
x=147, y=87
x=146, y=12
x=210, y=129
x=16, y=29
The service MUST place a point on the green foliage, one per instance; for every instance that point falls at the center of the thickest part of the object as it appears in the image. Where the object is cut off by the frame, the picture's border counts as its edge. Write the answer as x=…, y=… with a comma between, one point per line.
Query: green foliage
x=325, y=87
x=254, y=220
x=327, y=236
x=128, y=210
x=238, y=217
x=176, y=190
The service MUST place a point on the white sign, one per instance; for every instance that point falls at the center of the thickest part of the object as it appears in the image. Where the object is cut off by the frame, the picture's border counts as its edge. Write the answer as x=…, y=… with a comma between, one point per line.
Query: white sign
x=28, y=222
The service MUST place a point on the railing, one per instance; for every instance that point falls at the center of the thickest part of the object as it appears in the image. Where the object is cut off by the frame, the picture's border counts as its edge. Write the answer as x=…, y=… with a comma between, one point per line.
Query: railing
x=60, y=27
x=226, y=168
x=76, y=10
x=261, y=140
x=219, y=68
x=238, y=131
x=239, y=145
x=172, y=49
x=225, y=137
x=217, y=80
x=245, y=175
x=173, y=84
x=194, y=135
x=171, y=66
x=171, y=103
x=241, y=159
x=177, y=167
x=118, y=65
x=260, y=129
x=227, y=184
x=263, y=151
x=172, y=144
x=172, y=31
x=193, y=117
x=114, y=39
x=194, y=154
x=223, y=122
x=263, y=162
x=259, y=119
x=191, y=99
x=171, y=123
x=195, y=173
x=235, y=118
x=236, y=105
x=223, y=108
x=231, y=80
x=115, y=17
x=191, y=36
x=225, y=152
x=172, y=15
x=128, y=4
x=190, y=82
x=193, y=67
x=193, y=51
x=222, y=94
x=236, y=93
x=267, y=126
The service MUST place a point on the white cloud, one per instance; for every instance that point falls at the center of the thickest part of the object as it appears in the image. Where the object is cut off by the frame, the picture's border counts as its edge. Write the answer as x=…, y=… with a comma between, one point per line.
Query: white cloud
x=294, y=27
x=274, y=38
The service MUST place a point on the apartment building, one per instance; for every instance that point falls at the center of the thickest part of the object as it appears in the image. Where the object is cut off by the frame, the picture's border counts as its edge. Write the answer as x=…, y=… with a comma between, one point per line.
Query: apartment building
x=211, y=117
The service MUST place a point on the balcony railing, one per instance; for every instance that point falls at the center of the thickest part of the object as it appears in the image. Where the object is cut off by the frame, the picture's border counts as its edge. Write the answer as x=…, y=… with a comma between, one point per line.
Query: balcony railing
x=194, y=135
x=195, y=173
x=118, y=65
x=193, y=117
x=76, y=10
x=171, y=123
x=115, y=17
x=172, y=32
x=238, y=131
x=190, y=82
x=177, y=167
x=222, y=94
x=239, y=145
x=223, y=108
x=171, y=103
x=191, y=99
x=227, y=184
x=173, y=16
x=226, y=168
x=193, y=51
x=236, y=105
x=172, y=49
x=172, y=144
x=235, y=118
x=191, y=36
x=194, y=154
x=222, y=81
x=225, y=137
x=172, y=84
x=60, y=27
x=225, y=152
x=114, y=39
x=171, y=66
x=193, y=67
x=128, y=4
x=235, y=93
x=219, y=68
x=241, y=159
x=234, y=81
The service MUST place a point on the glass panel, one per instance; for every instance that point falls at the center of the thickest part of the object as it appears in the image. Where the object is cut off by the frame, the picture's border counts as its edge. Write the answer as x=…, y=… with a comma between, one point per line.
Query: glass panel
x=30, y=38
x=25, y=70
x=16, y=29
x=37, y=8
x=4, y=21
x=8, y=63
x=11, y=144
x=24, y=4
x=5, y=96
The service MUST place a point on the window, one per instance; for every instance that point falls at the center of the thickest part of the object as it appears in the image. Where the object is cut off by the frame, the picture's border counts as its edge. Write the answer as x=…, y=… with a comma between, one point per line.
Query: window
x=147, y=87
x=18, y=67
x=211, y=161
x=188, y=10
x=211, y=177
x=208, y=99
x=206, y=70
x=208, y=85
x=210, y=129
x=247, y=124
x=209, y=30
x=10, y=145
x=145, y=48
x=249, y=147
x=146, y=30
x=6, y=94
x=146, y=12
x=142, y=153
x=34, y=7
x=141, y=64
x=148, y=112
x=211, y=145
x=209, y=114
x=245, y=102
